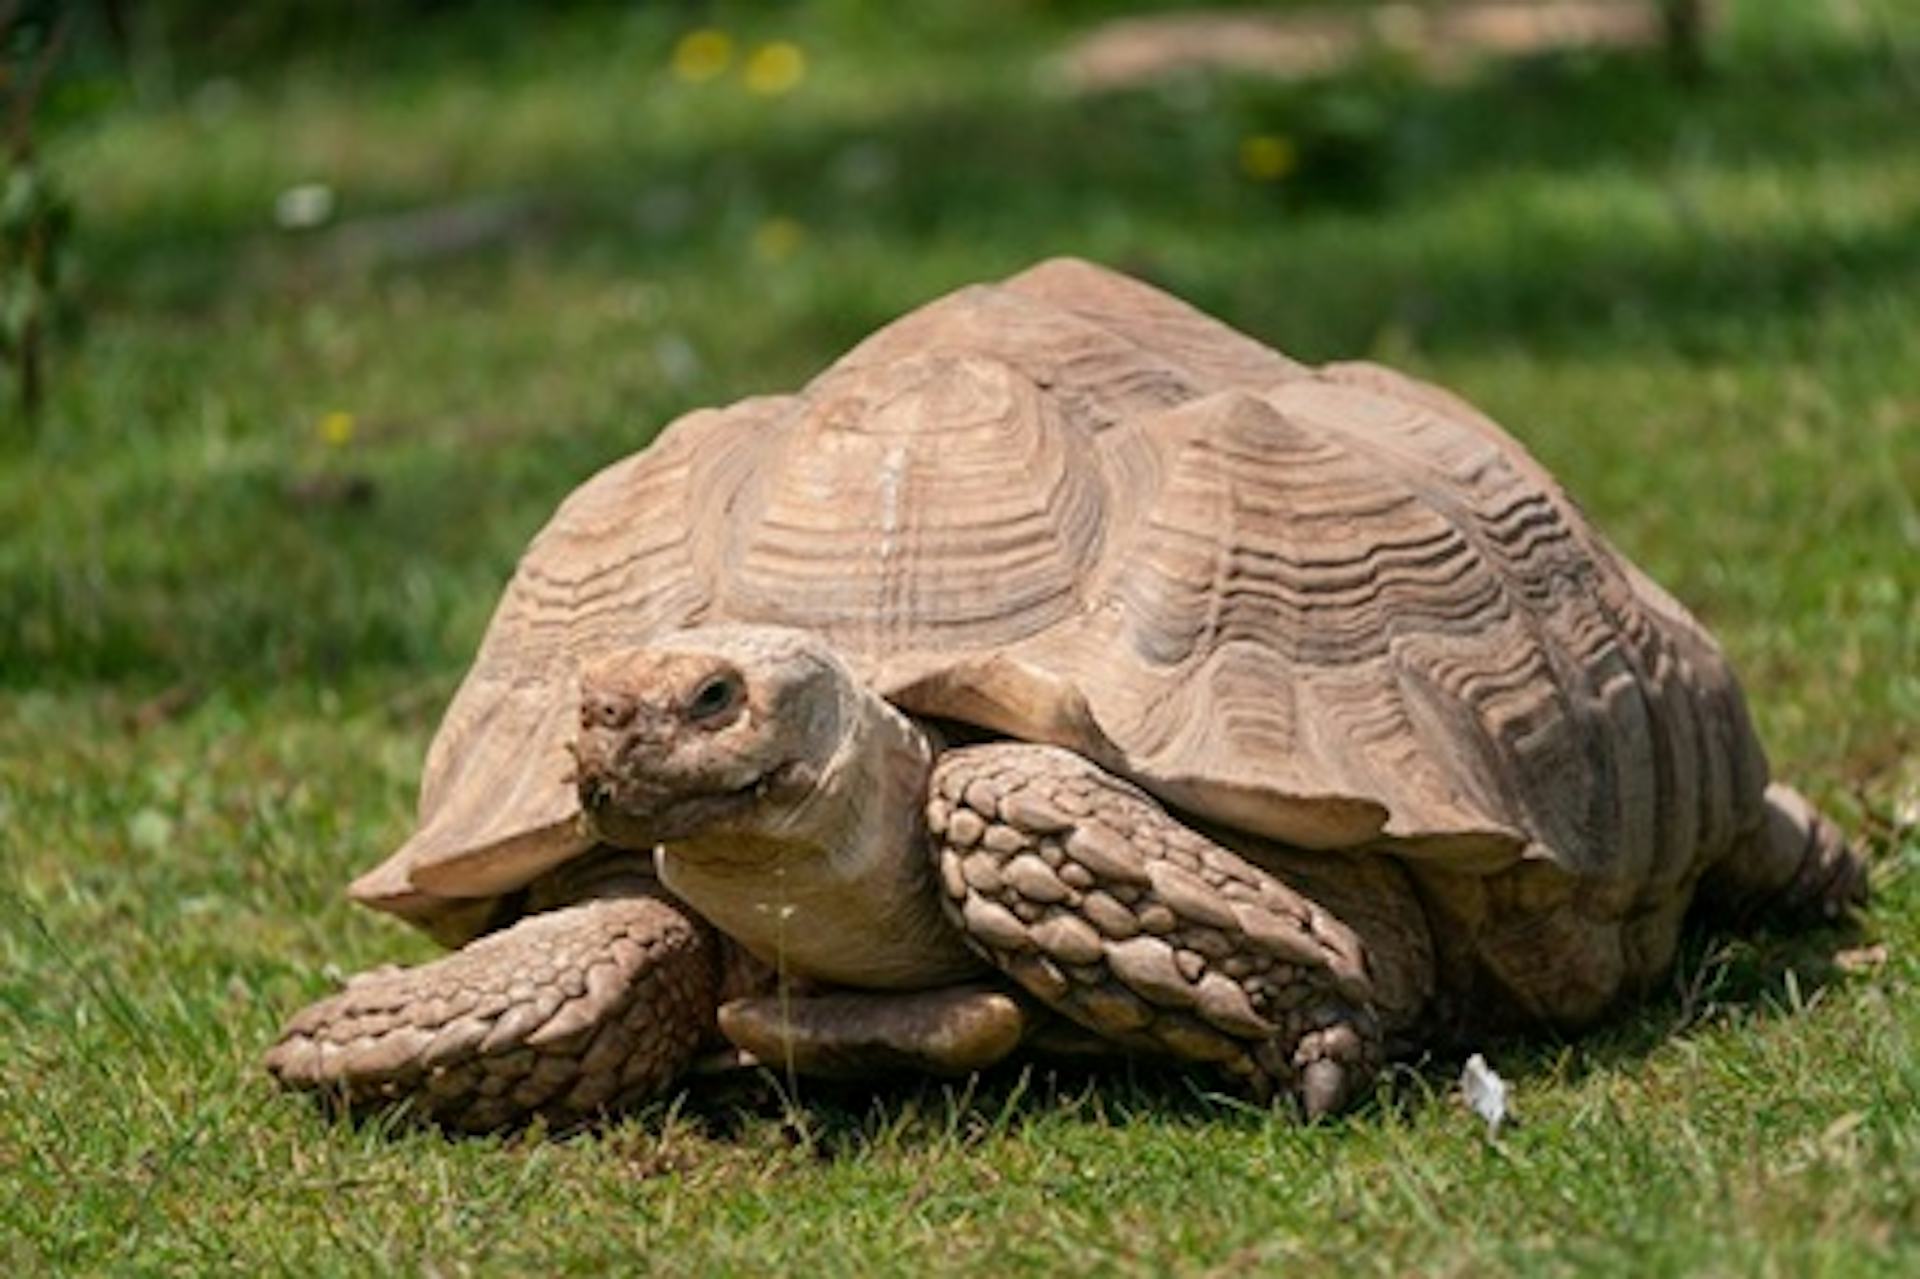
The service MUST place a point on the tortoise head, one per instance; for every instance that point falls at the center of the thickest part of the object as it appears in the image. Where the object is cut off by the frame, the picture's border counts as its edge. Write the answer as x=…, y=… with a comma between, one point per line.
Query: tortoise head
x=720, y=731
x=785, y=796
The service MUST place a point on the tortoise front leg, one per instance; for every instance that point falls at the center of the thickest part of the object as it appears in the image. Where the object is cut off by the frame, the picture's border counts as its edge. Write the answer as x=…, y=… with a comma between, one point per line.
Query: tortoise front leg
x=565, y=1014
x=1105, y=908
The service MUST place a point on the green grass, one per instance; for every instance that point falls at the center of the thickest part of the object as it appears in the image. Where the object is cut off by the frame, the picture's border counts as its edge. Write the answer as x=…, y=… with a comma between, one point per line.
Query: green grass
x=1700, y=308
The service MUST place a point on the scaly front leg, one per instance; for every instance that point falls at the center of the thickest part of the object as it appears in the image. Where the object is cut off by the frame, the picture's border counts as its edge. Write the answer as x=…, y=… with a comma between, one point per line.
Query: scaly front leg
x=1104, y=907
x=565, y=1014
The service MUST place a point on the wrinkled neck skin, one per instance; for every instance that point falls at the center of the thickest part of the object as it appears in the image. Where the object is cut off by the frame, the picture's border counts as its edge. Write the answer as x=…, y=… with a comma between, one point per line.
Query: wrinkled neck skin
x=839, y=888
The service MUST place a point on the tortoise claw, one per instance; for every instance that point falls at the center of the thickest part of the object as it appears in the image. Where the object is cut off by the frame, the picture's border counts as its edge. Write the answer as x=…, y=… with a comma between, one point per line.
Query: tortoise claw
x=1323, y=1088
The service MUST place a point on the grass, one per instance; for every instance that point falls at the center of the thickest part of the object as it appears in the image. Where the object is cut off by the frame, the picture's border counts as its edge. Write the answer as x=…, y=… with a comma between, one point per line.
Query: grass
x=226, y=631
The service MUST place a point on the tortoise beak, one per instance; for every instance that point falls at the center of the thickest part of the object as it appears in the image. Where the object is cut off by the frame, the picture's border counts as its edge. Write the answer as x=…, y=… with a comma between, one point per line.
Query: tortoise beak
x=614, y=758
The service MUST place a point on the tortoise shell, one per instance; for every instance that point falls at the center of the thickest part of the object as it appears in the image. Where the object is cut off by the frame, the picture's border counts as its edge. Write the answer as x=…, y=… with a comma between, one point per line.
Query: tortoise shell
x=1333, y=606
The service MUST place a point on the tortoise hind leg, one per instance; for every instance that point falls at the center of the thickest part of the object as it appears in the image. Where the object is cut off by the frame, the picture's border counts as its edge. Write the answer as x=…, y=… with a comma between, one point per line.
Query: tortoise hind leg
x=856, y=1034
x=1796, y=868
x=1111, y=912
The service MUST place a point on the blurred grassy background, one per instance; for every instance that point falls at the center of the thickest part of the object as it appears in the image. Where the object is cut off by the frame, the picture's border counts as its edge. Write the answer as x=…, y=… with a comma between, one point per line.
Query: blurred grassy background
x=284, y=470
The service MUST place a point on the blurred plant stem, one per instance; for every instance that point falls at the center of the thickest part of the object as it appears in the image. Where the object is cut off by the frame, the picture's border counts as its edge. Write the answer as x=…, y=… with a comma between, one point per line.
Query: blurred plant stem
x=34, y=215
x=1686, y=23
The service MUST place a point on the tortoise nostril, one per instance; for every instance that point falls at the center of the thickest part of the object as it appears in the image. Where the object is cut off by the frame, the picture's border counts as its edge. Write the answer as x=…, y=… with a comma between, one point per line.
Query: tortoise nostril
x=605, y=710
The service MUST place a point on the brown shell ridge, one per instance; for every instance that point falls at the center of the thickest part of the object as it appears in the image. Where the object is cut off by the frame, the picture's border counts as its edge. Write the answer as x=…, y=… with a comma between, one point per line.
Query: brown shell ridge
x=1105, y=347
x=1707, y=772
x=940, y=502
x=1574, y=603
x=1152, y=320
x=1094, y=375
x=1650, y=719
x=1188, y=680
x=612, y=565
x=1549, y=753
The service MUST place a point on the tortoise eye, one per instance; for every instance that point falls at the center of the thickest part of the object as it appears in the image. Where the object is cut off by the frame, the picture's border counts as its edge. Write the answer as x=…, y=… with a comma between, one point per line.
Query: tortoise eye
x=715, y=697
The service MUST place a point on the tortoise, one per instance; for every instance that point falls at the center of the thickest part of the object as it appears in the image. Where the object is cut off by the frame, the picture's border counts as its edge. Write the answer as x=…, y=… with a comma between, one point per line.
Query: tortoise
x=1060, y=670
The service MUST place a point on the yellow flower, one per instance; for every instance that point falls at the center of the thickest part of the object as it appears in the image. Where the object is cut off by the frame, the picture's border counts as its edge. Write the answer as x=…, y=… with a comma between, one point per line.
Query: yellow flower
x=702, y=55
x=776, y=239
x=336, y=428
x=1267, y=157
x=774, y=68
